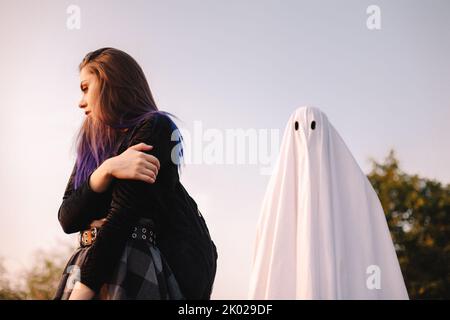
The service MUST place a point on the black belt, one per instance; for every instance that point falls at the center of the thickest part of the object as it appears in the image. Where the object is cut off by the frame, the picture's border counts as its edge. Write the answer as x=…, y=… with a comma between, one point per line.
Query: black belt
x=144, y=230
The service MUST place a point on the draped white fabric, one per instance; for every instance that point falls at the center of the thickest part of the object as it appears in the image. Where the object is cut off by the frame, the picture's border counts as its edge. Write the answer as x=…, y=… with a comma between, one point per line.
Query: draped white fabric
x=321, y=233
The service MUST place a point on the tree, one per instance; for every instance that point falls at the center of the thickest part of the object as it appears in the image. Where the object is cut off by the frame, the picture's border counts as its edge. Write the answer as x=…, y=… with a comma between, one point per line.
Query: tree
x=7, y=290
x=418, y=213
x=40, y=280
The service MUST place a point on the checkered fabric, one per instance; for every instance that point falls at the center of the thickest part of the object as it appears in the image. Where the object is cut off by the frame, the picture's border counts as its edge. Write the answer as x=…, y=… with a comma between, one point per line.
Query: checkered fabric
x=141, y=274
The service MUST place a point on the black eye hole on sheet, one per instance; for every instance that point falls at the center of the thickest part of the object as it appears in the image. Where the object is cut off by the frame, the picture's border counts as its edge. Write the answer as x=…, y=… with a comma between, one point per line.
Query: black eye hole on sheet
x=296, y=125
x=313, y=125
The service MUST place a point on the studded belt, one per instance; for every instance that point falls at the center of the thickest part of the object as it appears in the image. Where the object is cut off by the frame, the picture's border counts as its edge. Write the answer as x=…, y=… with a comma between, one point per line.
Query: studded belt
x=141, y=231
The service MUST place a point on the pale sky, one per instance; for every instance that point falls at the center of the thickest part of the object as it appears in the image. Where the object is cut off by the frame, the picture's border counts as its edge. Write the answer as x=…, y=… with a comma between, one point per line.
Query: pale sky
x=229, y=64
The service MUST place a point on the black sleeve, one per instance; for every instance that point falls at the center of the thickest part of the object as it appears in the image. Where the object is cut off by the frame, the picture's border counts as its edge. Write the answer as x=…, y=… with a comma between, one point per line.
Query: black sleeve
x=125, y=206
x=78, y=207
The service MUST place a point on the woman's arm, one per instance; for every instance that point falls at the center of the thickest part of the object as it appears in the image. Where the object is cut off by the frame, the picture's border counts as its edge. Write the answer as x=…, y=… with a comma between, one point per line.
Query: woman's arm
x=101, y=178
x=128, y=165
x=79, y=206
x=81, y=292
x=127, y=199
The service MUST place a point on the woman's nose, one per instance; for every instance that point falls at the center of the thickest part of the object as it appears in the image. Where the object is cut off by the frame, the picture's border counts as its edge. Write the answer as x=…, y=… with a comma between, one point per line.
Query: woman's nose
x=82, y=104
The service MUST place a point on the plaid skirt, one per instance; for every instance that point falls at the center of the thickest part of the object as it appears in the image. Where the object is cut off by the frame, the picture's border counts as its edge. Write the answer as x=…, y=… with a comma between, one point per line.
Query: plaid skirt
x=141, y=274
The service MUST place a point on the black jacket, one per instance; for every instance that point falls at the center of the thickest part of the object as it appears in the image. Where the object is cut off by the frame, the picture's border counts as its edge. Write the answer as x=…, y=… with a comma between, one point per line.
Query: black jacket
x=182, y=235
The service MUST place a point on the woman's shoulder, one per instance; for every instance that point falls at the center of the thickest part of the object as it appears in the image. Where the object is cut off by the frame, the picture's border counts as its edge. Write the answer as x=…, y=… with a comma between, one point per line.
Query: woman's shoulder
x=157, y=125
x=157, y=121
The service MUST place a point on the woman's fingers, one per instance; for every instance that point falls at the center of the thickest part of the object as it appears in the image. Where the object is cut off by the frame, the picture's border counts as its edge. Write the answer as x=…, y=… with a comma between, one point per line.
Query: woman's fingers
x=151, y=167
x=97, y=223
x=147, y=176
x=152, y=159
x=141, y=146
x=149, y=173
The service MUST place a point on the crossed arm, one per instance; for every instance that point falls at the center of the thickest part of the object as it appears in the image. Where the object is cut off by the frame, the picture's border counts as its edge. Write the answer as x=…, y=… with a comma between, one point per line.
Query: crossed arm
x=123, y=212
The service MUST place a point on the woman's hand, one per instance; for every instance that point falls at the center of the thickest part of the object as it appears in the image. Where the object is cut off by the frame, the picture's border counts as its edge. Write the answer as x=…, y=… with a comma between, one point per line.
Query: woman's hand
x=97, y=223
x=130, y=164
x=81, y=292
x=134, y=164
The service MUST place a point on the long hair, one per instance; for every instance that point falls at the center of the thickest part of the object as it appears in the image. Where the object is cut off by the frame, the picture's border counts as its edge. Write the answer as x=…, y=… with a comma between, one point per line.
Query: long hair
x=124, y=99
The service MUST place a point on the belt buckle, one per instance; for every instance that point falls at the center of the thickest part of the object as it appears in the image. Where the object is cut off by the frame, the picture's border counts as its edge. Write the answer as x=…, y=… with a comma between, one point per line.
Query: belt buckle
x=88, y=236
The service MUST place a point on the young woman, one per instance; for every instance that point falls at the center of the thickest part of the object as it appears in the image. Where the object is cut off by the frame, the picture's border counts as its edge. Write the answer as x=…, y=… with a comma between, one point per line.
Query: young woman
x=142, y=235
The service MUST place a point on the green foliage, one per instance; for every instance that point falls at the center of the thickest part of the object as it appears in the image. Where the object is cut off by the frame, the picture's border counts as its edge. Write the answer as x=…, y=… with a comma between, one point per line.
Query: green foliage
x=418, y=213
x=7, y=290
x=39, y=281
x=43, y=278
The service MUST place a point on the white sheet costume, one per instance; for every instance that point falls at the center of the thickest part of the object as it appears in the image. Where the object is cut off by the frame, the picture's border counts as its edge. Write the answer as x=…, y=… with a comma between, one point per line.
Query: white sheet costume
x=322, y=233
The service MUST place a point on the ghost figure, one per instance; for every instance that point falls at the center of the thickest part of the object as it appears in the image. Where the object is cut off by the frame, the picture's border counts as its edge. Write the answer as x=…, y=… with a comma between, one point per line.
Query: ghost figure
x=321, y=233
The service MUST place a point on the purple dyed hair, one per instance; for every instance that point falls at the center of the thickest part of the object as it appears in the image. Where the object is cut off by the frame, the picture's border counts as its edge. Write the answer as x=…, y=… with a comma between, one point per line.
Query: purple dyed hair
x=124, y=100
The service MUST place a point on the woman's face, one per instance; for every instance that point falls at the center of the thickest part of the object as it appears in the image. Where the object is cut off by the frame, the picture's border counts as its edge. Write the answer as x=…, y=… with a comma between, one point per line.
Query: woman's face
x=89, y=89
